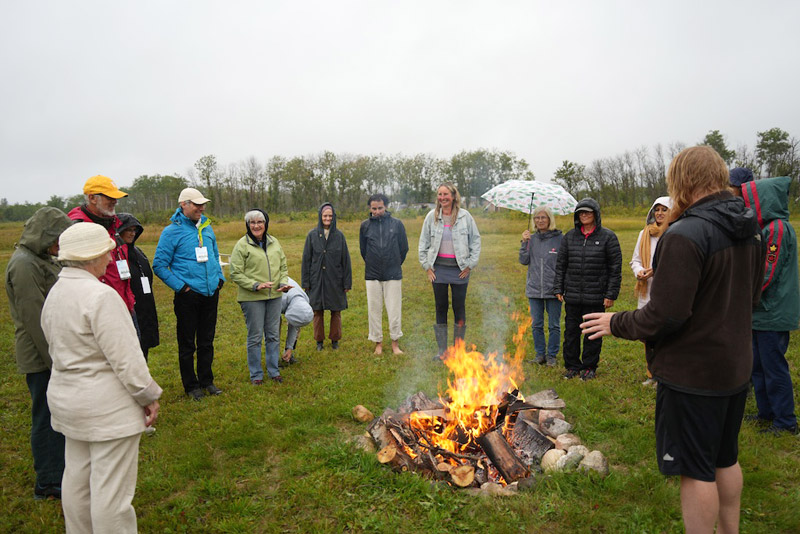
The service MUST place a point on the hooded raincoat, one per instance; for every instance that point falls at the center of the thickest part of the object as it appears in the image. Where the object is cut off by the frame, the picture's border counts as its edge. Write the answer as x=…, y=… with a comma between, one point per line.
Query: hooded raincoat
x=254, y=262
x=326, y=271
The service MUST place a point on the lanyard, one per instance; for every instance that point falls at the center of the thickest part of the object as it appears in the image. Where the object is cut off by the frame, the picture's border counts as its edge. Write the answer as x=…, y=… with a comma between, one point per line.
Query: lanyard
x=200, y=227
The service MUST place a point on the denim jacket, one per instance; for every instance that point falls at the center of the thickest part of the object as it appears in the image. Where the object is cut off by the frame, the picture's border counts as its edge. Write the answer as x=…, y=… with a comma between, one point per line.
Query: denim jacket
x=466, y=240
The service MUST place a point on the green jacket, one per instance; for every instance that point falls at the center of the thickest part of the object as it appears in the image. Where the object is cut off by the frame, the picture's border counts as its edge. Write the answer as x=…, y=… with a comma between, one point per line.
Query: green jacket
x=251, y=265
x=30, y=274
x=779, y=309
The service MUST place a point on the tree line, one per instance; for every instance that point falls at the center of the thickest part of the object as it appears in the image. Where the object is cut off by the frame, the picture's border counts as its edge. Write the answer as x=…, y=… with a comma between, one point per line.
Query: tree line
x=636, y=177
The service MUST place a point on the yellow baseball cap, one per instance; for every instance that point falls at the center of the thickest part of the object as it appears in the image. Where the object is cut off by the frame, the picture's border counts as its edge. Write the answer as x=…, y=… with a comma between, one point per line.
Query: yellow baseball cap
x=102, y=185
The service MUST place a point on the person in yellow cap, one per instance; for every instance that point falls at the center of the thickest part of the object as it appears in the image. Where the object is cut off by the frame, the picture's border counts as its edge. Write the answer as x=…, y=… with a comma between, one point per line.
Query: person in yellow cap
x=101, y=194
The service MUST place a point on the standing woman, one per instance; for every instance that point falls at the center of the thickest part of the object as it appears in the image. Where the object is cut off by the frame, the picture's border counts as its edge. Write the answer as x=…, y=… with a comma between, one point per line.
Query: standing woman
x=101, y=394
x=326, y=275
x=643, y=252
x=141, y=283
x=258, y=266
x=449, y=248
x=539, y=252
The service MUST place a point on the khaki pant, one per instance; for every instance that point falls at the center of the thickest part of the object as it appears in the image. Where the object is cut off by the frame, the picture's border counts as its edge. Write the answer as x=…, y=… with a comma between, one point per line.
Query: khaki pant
x=389, y=292
x=98, y=485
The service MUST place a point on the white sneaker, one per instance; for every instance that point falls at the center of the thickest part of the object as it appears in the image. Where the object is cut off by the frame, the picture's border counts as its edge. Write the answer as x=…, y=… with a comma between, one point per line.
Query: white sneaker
x=149, y=431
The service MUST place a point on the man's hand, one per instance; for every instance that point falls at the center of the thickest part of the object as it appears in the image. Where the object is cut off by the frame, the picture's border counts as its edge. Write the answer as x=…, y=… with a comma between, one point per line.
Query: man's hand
x=596, y=325
x=560, y=297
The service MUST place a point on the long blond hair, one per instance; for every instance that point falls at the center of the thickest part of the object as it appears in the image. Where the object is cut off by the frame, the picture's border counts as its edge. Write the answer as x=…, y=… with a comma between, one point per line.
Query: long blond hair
x=456, y=201
x=695, y=170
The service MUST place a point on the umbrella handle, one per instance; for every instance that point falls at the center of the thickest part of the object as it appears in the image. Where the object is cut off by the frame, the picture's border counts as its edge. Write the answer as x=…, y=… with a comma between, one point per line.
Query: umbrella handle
x=530, y=214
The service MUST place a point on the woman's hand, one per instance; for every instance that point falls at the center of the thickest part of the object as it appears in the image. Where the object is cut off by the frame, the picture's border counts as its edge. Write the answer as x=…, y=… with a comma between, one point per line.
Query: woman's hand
x=465, y=273
x=431, y=275
x=644, y=274
x=526, y=235
x=265, y=285
x=150, y=413
x=560, y=297
x=284, y=289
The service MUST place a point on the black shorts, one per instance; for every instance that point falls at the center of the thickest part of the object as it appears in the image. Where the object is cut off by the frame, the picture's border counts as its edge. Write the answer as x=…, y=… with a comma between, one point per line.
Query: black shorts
x=696, y=434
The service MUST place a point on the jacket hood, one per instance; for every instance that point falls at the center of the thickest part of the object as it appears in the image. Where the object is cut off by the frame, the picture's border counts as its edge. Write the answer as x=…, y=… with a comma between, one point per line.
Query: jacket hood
x=43, y=229
x=651, y=215
x=266, y=226
x=129, y=221
x=769, y=198
x=587, y=203
x=319, y=217
x=727, y=213
x=547, y=235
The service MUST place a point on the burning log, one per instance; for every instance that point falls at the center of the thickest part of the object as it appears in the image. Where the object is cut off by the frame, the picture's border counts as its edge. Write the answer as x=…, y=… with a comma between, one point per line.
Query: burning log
x=502, y=456
x=528, y=438
x=395, y=457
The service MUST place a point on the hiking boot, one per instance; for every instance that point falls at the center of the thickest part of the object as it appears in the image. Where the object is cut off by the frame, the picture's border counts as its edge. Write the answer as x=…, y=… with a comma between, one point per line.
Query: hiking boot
x=196, y=394
x=588, y=374
x=551, y=361
x=213, y=390
x=540, y=359
x=319, y=345
x=50, y=491
x=571, y=373
x=334, y=345
x=778, y=431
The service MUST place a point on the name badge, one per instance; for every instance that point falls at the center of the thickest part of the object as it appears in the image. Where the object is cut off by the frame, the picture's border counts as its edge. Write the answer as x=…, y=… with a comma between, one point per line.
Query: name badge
x=201, y=253
x=145, y=285
x=122, y=268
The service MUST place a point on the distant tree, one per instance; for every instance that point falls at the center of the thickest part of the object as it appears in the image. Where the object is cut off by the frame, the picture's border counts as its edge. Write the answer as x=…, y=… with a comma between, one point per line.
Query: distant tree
x=207, y=170
x=716, y=140
x=776, y=153
x=57, y=202
x=570, y=176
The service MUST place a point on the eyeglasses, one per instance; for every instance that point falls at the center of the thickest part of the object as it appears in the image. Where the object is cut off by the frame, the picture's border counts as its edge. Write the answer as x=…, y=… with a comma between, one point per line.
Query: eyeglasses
x=257, y=223
x=542, y=218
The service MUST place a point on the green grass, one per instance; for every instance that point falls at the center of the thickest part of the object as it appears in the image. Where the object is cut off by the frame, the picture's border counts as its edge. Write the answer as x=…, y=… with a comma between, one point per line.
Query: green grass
x=280, y=459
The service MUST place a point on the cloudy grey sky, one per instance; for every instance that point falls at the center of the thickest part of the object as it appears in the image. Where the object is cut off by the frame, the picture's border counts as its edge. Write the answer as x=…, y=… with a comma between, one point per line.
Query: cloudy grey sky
x=147, y=87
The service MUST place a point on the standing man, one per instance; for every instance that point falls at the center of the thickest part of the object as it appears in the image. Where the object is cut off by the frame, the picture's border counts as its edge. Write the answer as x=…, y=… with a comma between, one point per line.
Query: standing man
x=779, y=309
x=30, y=274
x=588, y=277
x=187, y=260
x=383, y=247
x=709, y=267
x=101, y=195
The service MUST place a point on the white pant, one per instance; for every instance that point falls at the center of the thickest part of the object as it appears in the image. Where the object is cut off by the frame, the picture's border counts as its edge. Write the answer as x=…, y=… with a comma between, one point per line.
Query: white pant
x=98, y=485
x=378, y=293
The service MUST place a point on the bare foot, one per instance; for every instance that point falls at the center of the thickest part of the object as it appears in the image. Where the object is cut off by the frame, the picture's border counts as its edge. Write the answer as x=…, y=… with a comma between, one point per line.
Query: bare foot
x=396, y=348
x=379, y=348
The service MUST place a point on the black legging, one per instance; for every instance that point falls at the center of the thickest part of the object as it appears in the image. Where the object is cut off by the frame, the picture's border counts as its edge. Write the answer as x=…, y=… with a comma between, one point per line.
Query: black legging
x=459, y=298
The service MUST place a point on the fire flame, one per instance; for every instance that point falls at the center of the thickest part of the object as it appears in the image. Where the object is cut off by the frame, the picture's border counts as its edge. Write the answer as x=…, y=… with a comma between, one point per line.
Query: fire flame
x=474, y=392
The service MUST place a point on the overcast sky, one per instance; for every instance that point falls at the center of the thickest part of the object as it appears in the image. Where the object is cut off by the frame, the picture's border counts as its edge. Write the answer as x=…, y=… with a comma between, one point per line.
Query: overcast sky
x=148, y=87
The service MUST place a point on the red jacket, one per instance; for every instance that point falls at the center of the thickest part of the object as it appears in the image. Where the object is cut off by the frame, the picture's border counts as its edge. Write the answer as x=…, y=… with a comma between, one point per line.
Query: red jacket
x=111, y=278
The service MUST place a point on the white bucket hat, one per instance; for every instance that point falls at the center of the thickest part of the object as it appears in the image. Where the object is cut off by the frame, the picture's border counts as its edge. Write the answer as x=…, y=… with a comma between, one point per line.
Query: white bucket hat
x=83, y=242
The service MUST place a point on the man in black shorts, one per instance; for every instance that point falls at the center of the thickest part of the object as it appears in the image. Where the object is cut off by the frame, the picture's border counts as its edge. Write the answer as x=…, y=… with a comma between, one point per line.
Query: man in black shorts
x=708, y=270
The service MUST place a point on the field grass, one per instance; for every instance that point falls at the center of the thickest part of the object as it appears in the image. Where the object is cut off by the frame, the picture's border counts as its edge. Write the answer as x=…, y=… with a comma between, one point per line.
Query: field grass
x=279, y=458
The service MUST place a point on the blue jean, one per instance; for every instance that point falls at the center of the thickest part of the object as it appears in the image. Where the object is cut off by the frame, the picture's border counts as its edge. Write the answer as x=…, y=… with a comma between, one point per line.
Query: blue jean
x=553, y=307
x=772, y=382
x=263, y=320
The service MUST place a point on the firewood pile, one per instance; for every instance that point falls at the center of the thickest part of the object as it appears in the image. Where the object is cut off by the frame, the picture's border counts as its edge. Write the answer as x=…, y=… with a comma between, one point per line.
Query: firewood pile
x=516, y=439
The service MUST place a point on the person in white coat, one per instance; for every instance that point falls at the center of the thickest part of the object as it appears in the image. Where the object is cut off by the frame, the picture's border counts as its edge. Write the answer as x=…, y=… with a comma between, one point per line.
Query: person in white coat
x=643, y=253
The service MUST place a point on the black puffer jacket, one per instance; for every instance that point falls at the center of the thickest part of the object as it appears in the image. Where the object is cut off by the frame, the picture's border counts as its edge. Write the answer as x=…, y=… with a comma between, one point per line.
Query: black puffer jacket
x=384, y=246
x=145, y=306
x=326, y=271
x=588, y=269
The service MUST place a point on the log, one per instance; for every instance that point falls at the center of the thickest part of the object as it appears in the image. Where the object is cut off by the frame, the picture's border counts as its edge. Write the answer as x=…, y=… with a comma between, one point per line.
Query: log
x=463, y=475
x=395, y=457
x=380, y=432
x=503, y=457
x=529, y=439
x=417, y=402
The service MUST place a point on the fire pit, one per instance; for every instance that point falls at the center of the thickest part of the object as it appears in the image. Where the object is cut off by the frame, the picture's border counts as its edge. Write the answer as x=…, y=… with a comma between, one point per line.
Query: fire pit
x=482, y=430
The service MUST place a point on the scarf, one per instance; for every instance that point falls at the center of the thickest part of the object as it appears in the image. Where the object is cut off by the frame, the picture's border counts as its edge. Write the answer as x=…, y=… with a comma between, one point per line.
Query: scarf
x=651, y=230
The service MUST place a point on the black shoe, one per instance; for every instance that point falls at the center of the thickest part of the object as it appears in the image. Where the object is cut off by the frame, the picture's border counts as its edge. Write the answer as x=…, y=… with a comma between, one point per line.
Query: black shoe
x=540, y=359
x=51, y=491
x=778, y=431
x=571, y=373
x=278, y=379
x=334, y=345
x=754, y=418
x=213, y=390
x=588, y=374
x=196, y=394
x=319, y=345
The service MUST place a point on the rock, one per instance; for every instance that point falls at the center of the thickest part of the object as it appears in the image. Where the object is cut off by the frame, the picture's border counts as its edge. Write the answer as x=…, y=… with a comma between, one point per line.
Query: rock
x=545, y=399
x=550, y=459
x=580, y=448
x=528, y=484
x=565, y=441
x=570, y=461
x=513, y=487
x=544, y=414
x=365, y=443
x=555, y=427
x=360, y=413
x=595, y=461
x=491, y=488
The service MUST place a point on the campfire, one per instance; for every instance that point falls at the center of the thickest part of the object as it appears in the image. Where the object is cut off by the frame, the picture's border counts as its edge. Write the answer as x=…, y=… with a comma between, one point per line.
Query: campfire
x=481, y=431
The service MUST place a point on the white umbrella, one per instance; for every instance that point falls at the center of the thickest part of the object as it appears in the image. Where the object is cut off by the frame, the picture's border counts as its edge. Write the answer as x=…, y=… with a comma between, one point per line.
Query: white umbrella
x=527, y=195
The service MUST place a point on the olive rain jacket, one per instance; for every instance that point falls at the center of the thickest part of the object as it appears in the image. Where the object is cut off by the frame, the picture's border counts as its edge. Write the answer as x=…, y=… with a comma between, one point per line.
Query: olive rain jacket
x=779, y=309
x=145, y=306
x=30, y=274
x=384, y=246
x=588, y=268
x=708, y=271
x=539, y=253
x=111, y=277
x=326, y=270
x=254, y=262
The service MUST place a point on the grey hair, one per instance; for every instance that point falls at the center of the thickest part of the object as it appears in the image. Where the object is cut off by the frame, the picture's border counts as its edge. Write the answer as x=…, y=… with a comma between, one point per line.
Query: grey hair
x=547, y=211
x=84, y=264
x=253, y=215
